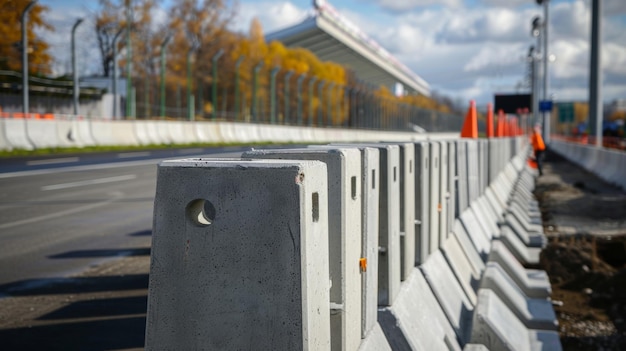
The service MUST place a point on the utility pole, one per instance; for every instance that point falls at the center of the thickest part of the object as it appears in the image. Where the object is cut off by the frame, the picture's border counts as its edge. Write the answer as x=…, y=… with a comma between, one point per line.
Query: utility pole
x=129, y=58
x=595, y=77
x=75, y=66
x=29, y=7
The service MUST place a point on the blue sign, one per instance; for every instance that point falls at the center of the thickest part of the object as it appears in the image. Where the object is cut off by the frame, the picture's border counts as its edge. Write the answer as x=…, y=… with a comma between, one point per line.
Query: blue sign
x=545, y=105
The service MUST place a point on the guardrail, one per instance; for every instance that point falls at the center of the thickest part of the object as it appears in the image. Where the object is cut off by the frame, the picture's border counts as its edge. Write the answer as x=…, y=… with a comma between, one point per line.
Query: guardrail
x=370, y=246
x=608, y=164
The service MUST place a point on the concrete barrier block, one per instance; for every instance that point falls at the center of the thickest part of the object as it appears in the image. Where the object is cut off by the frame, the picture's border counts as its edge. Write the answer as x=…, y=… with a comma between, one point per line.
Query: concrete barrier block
x=389, y=259
x=473, y=170
x=526, y=255
x=453, y=211
x=152, y=129
x=422, y=204
x=444, y=193
x=141, y=132
x=534, y=283
x=420, y=317
x=42, y=133
x=483, y=221
x=66, y=134
x=17, y=134
x=476, y=261
x=496, y=327
x=462, y=196
x=370, y=185
x=163, y=132
x=529, y=239
x=468, y=278
x=239, y=256
x=407, y=208
x=534, y=313
x=483, y=163
x=375, y=340
x=475, y=347
x=435, y=204
x=476, y=232
x=452, y=299
x=4, y=142
x=344, y=232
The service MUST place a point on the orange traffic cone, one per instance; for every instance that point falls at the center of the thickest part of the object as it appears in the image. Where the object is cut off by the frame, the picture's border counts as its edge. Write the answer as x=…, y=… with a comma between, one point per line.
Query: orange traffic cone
x=489, y=120
x=501, y=121
x=470, y=126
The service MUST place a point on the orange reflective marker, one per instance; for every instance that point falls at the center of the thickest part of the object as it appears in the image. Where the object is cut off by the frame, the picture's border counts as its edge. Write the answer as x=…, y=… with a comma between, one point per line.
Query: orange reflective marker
x=363, y=264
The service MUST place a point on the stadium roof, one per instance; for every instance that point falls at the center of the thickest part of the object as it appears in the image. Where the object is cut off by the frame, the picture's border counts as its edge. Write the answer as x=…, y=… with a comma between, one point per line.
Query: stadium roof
x=332, y=38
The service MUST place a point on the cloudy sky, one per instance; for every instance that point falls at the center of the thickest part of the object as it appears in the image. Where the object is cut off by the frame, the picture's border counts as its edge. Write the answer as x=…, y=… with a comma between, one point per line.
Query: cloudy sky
x=466, y=49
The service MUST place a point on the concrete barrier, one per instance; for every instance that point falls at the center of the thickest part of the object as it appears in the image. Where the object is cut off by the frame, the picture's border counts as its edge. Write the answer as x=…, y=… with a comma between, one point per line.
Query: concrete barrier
x=42, y=133
x=496, y=327
x=434, y=238
x=66, y=133
x=114, y=133
x=4, y=142
x=205, y=238
x=444, y=193
x=422, y=204
x=344, y=232
x=17, y=134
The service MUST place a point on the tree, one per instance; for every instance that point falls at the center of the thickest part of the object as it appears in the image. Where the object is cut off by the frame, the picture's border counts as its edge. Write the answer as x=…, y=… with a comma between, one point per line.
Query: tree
x=11, y=37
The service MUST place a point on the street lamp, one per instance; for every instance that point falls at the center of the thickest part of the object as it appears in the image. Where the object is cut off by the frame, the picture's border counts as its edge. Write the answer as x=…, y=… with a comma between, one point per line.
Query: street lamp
x=25, y=56
x=114, y=73
x=544, y=97
x=74, y=66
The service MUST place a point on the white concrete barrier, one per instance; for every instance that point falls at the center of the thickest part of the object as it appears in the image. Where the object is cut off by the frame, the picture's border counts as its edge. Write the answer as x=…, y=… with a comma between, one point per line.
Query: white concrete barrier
x=204, y=239
x=434, y=197
x=114, y=133
x=208, y=132
x=4, y=142
x=42, y=133
x=496, y=327
x=67, y=134
x=422, y=204
x=17, y=134
x=344, y=232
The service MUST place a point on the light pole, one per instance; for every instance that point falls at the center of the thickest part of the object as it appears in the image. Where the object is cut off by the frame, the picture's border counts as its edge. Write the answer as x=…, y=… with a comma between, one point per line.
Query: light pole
x=595, y=79
x=214, y=83
x=129, y=60
x=114, y=73
x=544, y=97
x=74, y=65
x=163, y=65
x=190, y=104
x=29, y=7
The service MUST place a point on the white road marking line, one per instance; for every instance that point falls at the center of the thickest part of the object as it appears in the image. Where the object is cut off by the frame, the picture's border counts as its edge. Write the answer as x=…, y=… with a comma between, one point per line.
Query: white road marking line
x=52, y=161
x=133, y=154
x=116, y=197
x=89, y=182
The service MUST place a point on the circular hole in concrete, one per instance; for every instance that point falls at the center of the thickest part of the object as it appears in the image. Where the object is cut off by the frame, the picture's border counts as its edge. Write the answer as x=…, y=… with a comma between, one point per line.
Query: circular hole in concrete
x=201, y=212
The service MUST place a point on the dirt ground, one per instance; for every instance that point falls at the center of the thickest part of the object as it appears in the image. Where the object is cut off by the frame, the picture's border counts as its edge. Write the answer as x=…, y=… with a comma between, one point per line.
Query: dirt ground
x=585, y=220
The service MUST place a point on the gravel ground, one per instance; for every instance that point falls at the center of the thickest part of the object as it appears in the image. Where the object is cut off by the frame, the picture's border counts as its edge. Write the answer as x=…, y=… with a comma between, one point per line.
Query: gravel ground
x=585, y=221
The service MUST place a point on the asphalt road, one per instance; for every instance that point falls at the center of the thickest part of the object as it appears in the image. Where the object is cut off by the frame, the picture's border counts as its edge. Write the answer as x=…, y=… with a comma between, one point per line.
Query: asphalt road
x=61, y=215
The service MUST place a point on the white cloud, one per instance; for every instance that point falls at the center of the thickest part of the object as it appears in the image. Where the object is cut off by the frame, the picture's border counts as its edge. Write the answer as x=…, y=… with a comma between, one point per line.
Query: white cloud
x=272, y=15
x=404, y=5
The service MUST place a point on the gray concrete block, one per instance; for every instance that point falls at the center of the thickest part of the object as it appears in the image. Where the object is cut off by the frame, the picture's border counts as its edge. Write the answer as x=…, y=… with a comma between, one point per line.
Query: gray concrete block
x=375, y=340
x=389, y=259
x=462, y=268
x=499, y=329
x=370, y=185
x=476, y=232
x=407, y=207
x=534, y=313
x=530, y=239
x=475, y=347
x=475, y=259
x=435, y=204
x=452, y=299
x=533, y=282
x=239, y=256
x=344, y=235
x=421, y=318
x=452, y=209
x=422, y=205
x=444, y=193
x=524, y=254
x=473, y=170
x=463, y=178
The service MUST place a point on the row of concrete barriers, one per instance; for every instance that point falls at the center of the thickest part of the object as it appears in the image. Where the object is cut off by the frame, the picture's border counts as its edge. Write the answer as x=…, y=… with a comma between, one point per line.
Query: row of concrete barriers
x=29, y=134
x=379, y=246
x=608, y=164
